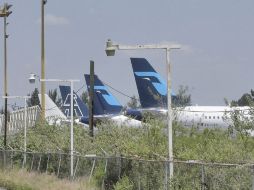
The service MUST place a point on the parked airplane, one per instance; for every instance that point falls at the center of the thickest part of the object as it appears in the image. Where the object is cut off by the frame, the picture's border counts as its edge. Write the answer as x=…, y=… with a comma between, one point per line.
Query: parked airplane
x=80, y=110
x=100, y=114
x=153, y=98
x=105, y=104
x=52, y=113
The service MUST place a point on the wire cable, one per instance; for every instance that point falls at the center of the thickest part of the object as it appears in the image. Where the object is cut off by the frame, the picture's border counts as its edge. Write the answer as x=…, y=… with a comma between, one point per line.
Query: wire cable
x=118, y=91
x=80, y=88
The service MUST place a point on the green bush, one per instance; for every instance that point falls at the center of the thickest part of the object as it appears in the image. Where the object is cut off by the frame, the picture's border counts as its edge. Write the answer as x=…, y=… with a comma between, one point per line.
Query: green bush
x=124, y=184
x=146, y=143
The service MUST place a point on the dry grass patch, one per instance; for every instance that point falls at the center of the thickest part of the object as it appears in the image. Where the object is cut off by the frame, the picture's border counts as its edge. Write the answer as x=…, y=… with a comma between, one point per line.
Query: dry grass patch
x=23, y=180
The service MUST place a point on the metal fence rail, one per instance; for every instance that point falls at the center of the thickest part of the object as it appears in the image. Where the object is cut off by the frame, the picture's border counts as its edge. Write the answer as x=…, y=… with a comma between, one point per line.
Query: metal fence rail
x=16, y=120
x=142, y=174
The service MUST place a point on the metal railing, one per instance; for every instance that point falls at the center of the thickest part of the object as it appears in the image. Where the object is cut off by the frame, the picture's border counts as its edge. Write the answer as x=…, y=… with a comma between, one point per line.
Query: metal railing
x=16, y=119
x=108, y=171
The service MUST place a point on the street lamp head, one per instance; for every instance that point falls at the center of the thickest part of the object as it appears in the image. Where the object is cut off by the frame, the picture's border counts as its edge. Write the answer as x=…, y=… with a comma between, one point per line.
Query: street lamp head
x=110, y=48
x=175, y=46
x=6, y=9
x=32, y=78
x=4, y=12
x=7, y=6
x=8, y=13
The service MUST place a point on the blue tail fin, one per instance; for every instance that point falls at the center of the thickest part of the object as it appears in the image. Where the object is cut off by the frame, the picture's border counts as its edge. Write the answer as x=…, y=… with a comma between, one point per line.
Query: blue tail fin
x=80, y=109
x=152, y=89
x=104, y=101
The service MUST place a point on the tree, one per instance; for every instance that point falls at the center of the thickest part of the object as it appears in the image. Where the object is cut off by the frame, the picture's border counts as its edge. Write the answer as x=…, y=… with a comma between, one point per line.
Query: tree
x=34, y=100
x=84, y=97
x=54, y=97
x=182, y=98
x=246, y=100
x=2, y=111
x=133, y=103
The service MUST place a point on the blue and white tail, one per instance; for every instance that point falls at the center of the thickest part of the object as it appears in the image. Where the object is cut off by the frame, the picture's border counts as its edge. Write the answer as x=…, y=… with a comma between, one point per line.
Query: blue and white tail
x=152, y=89
x=80, y=109
x=104, y=101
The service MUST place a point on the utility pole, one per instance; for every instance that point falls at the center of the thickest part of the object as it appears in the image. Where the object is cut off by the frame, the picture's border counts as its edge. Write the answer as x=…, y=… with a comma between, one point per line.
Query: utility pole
x=71, y=81
x=5, y=13
x=91, y=95
x=169, y=118
x=110, y=51
x=43, y=88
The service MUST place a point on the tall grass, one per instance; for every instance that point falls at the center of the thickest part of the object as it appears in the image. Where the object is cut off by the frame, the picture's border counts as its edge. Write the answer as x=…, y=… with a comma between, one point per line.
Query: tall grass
x=23, y=180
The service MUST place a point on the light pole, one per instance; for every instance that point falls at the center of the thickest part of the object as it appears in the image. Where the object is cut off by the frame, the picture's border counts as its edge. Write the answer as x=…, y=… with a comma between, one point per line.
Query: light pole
x=71, y=81
x=25, y=118
x=4, y=12
x=43, y=2
x=110, y=51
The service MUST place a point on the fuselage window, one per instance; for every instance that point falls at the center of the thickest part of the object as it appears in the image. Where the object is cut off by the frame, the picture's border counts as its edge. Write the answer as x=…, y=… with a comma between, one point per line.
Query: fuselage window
x=209, y=117
x=205, y=117
x=213, y=117
x=218, y=117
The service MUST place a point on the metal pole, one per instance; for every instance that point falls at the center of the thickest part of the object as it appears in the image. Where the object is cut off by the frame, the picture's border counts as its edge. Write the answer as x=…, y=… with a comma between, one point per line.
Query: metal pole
x=71, y=129
x=5, y=83
x=166, y=175
x=25, y=119
x=203, y=177
x=91, y=94
x=252, y=169
x=170, y=136
x=43, y=2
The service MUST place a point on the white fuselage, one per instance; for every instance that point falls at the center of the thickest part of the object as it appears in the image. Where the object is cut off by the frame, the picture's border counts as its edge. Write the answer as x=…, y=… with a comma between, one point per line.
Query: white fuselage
x=203, y=116
x=119, y=120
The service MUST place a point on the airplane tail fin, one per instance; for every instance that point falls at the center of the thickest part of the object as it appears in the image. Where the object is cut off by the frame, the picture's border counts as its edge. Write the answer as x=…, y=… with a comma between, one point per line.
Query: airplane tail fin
x=52, y=112
x=104, y=101
x=51, y=109
x=152, y=89
x=80, y=109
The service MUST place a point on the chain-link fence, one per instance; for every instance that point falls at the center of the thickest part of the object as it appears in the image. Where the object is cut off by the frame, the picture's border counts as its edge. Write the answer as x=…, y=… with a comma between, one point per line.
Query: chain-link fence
x=108, y=172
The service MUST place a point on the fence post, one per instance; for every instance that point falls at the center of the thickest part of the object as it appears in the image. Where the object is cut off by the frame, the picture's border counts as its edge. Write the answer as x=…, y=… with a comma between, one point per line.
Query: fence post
x=76, y=167
x=203, y=187
x=39, y=164
x=24, y=160
x=32, y=163
x=166, y=175
x=252, y=177
x=47, y=164
x=59, y=164
x=105, y=173
x=1, y=158
x=4, y=151
x=139, y=178
x=91, y=173
x=120, y=167
x=12, y=159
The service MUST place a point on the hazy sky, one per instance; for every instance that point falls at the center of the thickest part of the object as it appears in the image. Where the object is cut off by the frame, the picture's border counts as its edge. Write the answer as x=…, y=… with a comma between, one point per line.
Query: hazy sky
x=217, y=36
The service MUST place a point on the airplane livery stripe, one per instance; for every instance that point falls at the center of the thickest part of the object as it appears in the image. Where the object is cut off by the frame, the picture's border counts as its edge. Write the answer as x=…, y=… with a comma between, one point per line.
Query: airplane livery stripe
x=160, y=87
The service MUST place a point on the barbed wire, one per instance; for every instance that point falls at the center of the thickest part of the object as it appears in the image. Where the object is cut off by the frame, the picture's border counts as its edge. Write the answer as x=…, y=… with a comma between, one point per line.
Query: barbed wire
x=93, y=156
